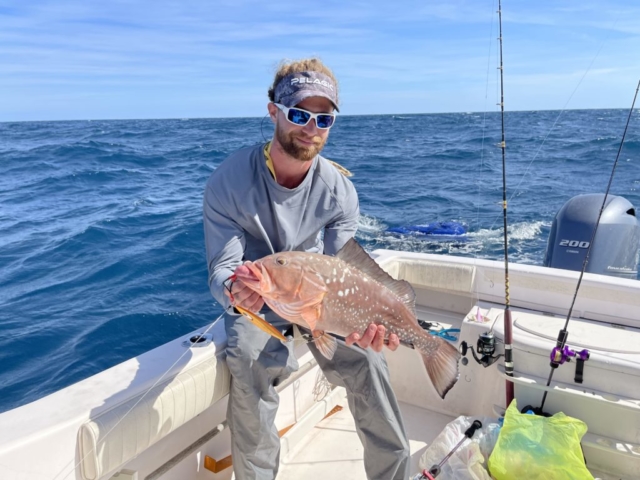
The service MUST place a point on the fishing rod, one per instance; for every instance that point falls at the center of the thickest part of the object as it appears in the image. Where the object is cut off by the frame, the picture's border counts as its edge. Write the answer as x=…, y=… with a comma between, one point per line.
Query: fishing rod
x=561, y=352
x=508, y=332
x=486, y=341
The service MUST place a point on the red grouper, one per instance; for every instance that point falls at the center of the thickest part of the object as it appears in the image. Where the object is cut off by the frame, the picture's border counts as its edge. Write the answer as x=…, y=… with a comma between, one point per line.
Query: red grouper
x=344, y=294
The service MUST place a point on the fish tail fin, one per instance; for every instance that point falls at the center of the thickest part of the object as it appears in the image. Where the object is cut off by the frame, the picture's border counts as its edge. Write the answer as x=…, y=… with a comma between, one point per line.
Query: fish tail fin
x=442, y=367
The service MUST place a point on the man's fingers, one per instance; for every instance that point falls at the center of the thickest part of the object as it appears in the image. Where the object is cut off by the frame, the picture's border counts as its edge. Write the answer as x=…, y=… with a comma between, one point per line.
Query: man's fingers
x=251, y=302
x=351, y=339
x=378, y=340
x=237, y=287
x=368, y=336
x=255, y=304
x=374, y=337
x=394, y=342
x=245, y=297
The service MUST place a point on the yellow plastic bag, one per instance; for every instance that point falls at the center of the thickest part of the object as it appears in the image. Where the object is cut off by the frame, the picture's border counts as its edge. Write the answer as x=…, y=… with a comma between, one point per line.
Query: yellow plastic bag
x=531, y=447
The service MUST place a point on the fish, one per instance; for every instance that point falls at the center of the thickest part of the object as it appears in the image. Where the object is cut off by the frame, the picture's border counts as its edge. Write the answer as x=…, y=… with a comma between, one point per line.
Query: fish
x=342, y=294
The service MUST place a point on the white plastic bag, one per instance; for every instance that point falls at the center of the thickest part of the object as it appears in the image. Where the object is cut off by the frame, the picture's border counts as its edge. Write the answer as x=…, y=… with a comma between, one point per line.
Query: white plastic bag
x=468, y=462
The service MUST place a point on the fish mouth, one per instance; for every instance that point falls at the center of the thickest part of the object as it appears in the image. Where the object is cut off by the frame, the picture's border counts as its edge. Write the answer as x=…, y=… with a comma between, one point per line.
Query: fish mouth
x=251, y=274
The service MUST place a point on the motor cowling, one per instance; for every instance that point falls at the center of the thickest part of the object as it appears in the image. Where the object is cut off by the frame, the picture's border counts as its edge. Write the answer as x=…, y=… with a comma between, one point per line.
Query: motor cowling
x=615, y=247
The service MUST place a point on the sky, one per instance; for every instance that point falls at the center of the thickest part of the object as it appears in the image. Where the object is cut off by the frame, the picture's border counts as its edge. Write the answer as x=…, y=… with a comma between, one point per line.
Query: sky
x=116, y=59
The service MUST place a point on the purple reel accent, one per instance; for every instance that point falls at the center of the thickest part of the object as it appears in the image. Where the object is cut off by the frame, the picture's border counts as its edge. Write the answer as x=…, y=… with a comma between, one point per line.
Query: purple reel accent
x=560, y=356
x=583, y=354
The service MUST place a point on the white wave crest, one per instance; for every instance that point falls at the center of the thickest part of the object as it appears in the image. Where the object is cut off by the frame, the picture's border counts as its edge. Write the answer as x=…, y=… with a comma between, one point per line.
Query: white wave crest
x=516, y=231
x=526, y=231
x=370, y=224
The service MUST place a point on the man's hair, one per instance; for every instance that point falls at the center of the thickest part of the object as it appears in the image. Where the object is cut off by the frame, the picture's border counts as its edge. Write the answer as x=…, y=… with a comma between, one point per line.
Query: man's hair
x=287, y=67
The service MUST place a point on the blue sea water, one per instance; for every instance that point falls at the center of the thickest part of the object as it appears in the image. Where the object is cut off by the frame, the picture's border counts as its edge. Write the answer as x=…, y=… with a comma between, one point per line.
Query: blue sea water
x=102, y=254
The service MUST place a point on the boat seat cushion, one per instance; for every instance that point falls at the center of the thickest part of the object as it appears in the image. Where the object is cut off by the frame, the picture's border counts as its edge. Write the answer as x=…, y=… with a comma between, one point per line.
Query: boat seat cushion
x=114, y=437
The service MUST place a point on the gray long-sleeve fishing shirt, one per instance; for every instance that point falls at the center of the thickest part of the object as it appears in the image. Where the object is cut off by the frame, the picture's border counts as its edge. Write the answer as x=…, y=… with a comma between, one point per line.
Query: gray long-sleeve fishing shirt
x=248, y=215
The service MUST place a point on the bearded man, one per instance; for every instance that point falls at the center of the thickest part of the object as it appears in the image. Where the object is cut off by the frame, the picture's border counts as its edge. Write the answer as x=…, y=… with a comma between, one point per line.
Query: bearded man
x=283, y=196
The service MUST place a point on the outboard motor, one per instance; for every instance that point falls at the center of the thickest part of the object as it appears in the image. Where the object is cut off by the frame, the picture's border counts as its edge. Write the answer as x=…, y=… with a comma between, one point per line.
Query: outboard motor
x=615, y=247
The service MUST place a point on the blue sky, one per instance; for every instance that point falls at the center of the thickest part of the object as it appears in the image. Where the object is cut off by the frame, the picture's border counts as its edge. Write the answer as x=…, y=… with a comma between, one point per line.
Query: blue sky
x=106, y=59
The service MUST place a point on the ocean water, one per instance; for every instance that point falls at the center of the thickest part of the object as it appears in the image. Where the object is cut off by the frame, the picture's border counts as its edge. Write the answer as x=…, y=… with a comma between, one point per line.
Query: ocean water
x=101, y=245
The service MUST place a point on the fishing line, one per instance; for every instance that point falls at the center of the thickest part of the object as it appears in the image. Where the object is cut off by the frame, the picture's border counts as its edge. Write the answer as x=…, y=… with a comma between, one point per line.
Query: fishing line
x=483, y=136
x=563, y=334
x=261, y=132
x=136, y=404
x=484, y=123
x=564, y=108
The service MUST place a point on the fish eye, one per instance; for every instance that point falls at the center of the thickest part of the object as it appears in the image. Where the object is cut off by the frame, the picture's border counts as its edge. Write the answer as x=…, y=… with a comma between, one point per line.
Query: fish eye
x=281, y=261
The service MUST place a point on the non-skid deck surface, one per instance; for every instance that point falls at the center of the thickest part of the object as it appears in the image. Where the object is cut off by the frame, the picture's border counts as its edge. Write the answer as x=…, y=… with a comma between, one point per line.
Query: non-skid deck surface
x=333, y=450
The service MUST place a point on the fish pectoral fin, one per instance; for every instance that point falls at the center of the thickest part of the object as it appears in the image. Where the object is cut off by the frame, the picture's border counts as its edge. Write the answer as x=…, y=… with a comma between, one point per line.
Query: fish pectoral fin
x=326, y=343
x=311, y=315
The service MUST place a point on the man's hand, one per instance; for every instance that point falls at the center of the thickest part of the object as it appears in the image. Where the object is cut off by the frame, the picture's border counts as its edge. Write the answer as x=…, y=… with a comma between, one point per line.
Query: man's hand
x=373, y=337
x=245, y=297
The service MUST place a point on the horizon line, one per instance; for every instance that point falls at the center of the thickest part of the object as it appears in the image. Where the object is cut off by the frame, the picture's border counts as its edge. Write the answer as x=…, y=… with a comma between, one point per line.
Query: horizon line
x=340, y=115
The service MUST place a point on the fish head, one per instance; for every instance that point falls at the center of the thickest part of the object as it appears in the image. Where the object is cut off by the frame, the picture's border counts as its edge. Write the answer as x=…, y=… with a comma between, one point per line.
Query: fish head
x=285, y=277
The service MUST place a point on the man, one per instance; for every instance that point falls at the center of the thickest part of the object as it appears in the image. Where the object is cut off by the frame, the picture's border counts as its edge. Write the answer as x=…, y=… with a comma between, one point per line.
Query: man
x=278, y=197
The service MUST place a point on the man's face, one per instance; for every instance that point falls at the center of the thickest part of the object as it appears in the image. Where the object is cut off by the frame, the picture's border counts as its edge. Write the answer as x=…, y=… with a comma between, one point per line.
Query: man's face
x=303, y=143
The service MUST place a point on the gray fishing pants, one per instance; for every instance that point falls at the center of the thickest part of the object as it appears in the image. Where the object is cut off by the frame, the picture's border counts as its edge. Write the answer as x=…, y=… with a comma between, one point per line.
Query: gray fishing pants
x=258, y=362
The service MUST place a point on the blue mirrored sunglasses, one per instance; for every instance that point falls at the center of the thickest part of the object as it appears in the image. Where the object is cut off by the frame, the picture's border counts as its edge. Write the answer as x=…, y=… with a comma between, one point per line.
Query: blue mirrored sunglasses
x=301, y=117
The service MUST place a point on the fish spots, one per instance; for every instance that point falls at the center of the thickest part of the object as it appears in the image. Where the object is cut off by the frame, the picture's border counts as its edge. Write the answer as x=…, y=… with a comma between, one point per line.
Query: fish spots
x=344, y=273
x=345, y=307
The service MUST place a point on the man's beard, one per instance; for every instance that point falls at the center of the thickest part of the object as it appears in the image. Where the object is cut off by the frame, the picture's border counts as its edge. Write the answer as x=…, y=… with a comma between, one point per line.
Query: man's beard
x=296, y=151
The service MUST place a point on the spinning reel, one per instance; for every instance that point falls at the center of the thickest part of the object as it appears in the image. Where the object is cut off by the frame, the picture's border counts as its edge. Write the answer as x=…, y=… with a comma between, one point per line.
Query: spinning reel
x=485, y=347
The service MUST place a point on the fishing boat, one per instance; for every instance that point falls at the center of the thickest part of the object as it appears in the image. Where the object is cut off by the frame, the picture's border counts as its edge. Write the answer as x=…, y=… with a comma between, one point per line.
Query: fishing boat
x=161, y=415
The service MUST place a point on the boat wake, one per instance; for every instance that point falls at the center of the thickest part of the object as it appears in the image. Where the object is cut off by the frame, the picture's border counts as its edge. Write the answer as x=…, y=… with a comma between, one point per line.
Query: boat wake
x=526, y=240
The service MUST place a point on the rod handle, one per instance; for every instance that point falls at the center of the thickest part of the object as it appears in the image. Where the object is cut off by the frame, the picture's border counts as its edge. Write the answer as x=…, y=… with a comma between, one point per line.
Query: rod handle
x=472, y=429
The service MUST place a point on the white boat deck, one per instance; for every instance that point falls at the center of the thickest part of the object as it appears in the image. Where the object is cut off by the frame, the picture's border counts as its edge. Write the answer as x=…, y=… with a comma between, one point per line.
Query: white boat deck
x=333, y=445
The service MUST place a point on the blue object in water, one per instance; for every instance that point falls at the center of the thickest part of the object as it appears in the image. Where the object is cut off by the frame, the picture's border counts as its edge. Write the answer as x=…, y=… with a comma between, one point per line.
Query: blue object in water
x=435, y=228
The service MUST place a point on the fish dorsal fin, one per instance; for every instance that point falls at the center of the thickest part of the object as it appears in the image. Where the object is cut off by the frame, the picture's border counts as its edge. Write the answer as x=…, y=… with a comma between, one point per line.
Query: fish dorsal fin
x=353, y=254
